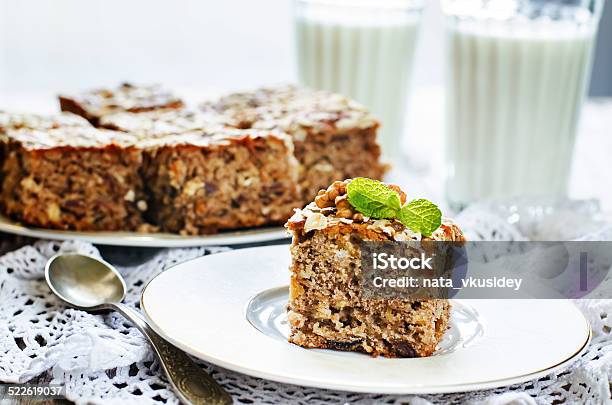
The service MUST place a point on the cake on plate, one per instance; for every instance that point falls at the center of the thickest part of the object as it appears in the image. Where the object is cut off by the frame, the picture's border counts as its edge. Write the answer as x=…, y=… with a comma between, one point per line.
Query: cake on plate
x=326, y=307
x=135, y=158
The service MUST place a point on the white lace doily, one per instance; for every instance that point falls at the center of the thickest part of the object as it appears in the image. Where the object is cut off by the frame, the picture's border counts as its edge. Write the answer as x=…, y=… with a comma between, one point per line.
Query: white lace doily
x=102, y=359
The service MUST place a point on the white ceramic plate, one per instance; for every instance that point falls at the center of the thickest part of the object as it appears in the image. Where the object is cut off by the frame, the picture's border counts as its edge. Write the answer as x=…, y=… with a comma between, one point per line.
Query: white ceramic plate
x=254, y=235
x=229, y=309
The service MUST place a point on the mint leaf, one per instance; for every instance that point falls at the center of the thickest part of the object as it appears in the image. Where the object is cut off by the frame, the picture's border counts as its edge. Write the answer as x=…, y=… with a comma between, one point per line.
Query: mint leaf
x=373, y=198
x=421, y=216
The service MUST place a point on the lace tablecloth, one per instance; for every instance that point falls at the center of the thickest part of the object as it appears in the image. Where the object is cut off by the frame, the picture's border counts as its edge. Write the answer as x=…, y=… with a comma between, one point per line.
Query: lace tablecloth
x=102, y=359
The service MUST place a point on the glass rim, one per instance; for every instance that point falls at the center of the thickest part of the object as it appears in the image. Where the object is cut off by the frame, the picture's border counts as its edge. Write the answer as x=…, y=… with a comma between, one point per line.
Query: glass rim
x=486, y=10
x=366, y=4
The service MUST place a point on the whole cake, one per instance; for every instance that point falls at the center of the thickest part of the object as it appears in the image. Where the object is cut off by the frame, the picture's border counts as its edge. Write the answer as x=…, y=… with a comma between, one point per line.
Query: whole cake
x=326, y=307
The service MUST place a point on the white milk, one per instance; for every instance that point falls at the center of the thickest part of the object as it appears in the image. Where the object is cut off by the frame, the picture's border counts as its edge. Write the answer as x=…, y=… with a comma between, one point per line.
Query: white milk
x=514, y=94
x=361, y=53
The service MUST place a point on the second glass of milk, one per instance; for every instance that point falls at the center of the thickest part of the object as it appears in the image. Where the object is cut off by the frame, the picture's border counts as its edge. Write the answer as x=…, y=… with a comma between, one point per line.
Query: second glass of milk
x=517, y=73
x=364, y=50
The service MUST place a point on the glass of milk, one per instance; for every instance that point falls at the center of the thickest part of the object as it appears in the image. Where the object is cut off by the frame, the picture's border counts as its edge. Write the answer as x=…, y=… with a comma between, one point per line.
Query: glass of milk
x=362, y=49
x=517, y=74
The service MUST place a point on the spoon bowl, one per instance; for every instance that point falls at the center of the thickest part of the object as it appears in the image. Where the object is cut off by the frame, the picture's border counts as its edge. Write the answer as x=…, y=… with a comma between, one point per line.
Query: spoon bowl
x=84, y=282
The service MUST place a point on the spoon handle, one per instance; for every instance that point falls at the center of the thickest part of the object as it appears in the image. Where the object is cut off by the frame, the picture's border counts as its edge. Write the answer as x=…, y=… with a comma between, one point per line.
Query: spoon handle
x=191, y=384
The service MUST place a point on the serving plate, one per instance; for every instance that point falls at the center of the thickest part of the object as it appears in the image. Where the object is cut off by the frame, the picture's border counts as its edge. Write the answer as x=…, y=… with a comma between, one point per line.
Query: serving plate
x=161, y=240
x=229, y=309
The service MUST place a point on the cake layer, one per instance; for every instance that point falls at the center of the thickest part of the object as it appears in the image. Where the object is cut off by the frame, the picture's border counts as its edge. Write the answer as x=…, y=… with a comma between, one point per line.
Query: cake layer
x=95, y=104
x=326, y=307
x=334, y=137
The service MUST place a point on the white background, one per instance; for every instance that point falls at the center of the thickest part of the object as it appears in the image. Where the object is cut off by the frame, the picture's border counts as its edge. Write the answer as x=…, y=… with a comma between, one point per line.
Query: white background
x=209, y=46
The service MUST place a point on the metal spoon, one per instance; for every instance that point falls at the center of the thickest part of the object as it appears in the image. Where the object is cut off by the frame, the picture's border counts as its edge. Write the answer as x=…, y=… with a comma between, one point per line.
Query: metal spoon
x=90, y=284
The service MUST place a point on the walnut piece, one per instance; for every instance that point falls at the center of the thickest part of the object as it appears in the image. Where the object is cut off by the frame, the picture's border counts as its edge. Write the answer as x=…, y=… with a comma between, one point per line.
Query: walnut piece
x=335, y=196
x=399, y=191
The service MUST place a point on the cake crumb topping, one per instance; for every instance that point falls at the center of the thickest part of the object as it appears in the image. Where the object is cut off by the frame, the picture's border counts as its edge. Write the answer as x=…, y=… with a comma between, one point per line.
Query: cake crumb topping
x=332, y=208
x=291, y=109
x=126, y=97
x=315, y=221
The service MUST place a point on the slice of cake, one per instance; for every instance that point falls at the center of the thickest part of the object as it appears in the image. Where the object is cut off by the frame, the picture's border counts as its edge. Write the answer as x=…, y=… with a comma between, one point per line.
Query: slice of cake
x=326, y=307
x=95, y=104
x=202, y=178
x=334, y=137
x=60, y=172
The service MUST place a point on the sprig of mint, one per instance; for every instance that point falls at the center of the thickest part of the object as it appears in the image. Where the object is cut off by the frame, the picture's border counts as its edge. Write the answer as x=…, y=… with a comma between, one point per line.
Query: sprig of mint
x=376, y=200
